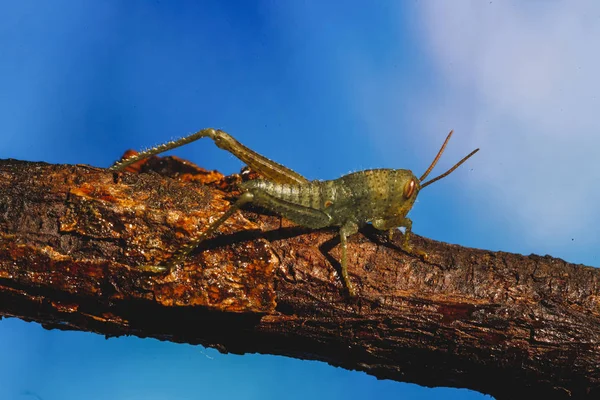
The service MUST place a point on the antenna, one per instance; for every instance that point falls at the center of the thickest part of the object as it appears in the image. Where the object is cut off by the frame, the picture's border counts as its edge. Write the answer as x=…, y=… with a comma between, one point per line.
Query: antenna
x=435, y=160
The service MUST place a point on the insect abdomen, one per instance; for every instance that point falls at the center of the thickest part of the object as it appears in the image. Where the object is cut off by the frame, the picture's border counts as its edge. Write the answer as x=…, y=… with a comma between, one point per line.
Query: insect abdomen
x=313, y=194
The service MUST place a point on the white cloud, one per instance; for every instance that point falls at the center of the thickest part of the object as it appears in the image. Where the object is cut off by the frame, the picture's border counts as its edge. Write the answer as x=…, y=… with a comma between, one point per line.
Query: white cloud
x=525, y=77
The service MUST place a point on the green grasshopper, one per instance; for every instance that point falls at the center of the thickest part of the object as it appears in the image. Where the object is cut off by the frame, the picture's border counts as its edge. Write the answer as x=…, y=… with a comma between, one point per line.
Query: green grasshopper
x=382, y=197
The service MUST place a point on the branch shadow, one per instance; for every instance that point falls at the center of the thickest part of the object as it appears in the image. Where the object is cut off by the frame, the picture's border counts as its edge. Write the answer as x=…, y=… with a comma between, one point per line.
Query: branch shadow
x=381, y=238
x=221, y=240
x=378, y=237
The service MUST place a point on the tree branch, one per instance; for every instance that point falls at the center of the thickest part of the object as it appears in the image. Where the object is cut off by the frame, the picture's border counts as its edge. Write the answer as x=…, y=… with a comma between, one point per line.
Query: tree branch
x=72, y=237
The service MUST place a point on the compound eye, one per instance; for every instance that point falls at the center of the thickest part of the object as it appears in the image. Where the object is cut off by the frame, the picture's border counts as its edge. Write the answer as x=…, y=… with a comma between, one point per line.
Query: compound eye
x=409, y=189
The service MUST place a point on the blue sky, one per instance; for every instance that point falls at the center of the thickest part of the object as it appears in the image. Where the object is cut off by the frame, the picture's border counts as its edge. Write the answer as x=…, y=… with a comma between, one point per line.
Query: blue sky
x=324, y=90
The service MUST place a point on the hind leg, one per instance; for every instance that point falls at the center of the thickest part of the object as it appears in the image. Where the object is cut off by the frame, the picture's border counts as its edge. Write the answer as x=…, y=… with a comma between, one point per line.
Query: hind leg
x=259, y=163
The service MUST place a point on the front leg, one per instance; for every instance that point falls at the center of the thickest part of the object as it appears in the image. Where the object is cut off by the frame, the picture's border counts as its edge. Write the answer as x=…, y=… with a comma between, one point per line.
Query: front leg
x=407, y=224
x=391, y=227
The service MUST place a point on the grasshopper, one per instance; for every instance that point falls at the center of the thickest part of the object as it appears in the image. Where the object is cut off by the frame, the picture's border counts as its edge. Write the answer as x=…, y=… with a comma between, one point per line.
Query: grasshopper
x=382, y=197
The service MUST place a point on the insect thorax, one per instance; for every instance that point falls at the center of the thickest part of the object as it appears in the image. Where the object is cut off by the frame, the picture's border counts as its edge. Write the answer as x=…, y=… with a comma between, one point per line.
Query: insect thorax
x=378, y=193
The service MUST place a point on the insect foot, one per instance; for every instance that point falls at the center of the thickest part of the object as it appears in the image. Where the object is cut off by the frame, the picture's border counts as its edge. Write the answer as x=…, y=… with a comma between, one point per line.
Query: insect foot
x=381, y=197
x=409, y=248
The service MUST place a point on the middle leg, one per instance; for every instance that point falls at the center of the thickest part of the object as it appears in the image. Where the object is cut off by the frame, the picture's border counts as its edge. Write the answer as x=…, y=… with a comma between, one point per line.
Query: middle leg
x=349, y=228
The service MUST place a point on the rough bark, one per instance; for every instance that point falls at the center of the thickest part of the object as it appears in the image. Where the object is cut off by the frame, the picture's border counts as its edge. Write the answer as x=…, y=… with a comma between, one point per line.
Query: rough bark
x=72, y=239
